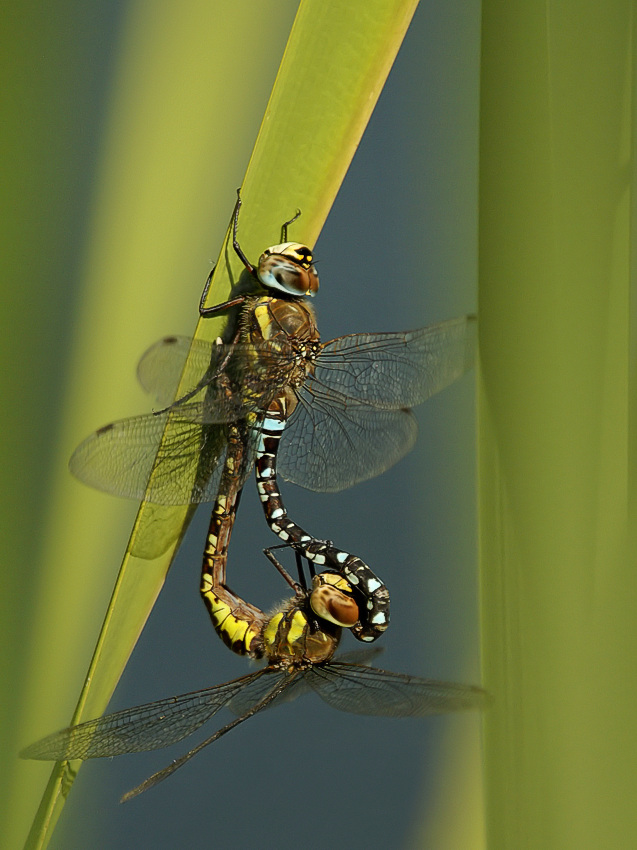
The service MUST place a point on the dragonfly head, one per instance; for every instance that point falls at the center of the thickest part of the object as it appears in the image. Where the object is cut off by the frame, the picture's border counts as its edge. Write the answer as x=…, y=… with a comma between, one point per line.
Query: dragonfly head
x=332, y=600
x=289, y=268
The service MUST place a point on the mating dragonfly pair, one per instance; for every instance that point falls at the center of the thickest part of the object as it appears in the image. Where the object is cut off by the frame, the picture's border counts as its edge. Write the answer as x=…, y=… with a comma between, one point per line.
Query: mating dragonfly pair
x=325, y=415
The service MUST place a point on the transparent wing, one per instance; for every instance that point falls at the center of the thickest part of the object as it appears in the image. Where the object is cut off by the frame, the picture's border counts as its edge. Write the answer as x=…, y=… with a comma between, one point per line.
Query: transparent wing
x=387, y=370
x=330, y=444
x=278, y=683
x=394, y=370
x=257, y=690
x=236, y=379
x=352, y=421
x=369, y=690
x=144, y=727
x=119, y=457
x=360, y=657
x=160, y=369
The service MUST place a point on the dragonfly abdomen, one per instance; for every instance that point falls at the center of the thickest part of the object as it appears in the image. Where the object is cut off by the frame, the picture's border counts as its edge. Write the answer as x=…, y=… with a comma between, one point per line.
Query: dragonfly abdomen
x=238, y=624
x=374, y=617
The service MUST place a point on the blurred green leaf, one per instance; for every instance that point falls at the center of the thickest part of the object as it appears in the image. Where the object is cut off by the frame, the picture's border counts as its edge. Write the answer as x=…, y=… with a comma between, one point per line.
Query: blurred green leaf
x=558, y=581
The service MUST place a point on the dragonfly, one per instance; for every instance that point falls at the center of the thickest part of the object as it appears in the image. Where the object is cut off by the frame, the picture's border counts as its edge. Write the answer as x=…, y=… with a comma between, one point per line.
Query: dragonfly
x=298, y=646
x=324, y=415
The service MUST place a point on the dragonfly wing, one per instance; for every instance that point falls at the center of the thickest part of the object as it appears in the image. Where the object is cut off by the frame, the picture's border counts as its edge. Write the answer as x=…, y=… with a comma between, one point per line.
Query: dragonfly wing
x=360, y=657
x=278, y=682
x=258, y=690
x=144, y=727
x=162, y=367
x=353, y=420
x=185, y=456
x=370, y=690
x=394, y=370
x=330, y=444
x=236, y=379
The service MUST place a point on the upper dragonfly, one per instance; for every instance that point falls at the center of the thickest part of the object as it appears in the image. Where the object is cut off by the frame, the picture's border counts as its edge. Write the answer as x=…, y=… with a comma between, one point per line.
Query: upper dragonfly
x=325, y=415
x=298, y=645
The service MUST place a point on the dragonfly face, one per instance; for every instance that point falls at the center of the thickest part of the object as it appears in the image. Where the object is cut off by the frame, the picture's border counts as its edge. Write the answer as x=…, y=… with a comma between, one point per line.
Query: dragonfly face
x=288, y=267
x=333, y=600
x=294, y=638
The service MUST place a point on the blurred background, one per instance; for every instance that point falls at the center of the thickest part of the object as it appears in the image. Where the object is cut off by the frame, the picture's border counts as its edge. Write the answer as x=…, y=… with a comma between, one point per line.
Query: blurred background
x=398, y=251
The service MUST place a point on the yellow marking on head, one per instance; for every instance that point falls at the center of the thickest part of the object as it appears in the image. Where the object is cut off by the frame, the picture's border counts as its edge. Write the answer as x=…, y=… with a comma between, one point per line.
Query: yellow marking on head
x=337, y=581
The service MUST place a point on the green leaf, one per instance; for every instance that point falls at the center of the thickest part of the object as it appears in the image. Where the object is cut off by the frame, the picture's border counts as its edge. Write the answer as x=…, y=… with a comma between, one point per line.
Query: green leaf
x=183, y=65
x=556, y=458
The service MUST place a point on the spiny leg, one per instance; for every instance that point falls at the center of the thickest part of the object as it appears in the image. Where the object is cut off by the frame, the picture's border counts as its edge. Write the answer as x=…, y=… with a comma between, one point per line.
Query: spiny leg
x=301, y=587
x=206, y=312
x=296, y=586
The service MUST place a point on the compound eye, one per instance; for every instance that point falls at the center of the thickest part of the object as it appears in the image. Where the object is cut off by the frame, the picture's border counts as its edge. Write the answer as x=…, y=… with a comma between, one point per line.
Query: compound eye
x=288, y=267
x=335, y=606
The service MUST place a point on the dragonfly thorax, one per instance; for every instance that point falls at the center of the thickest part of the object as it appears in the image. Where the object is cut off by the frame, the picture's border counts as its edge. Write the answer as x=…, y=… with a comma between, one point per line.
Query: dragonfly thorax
x=288, y=267
x=273, y=318
x=291, y=640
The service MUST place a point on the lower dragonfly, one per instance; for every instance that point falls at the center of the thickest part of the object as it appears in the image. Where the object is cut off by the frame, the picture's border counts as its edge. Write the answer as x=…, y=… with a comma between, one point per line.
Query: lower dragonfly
x=324, y=415
x=298, y=646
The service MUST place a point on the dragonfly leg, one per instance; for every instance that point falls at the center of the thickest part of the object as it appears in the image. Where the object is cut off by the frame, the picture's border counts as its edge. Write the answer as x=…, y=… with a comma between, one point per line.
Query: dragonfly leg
x=286, y=224
x=235, y=241
x=235, y=228
x=206, y=312
x=297, y=586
